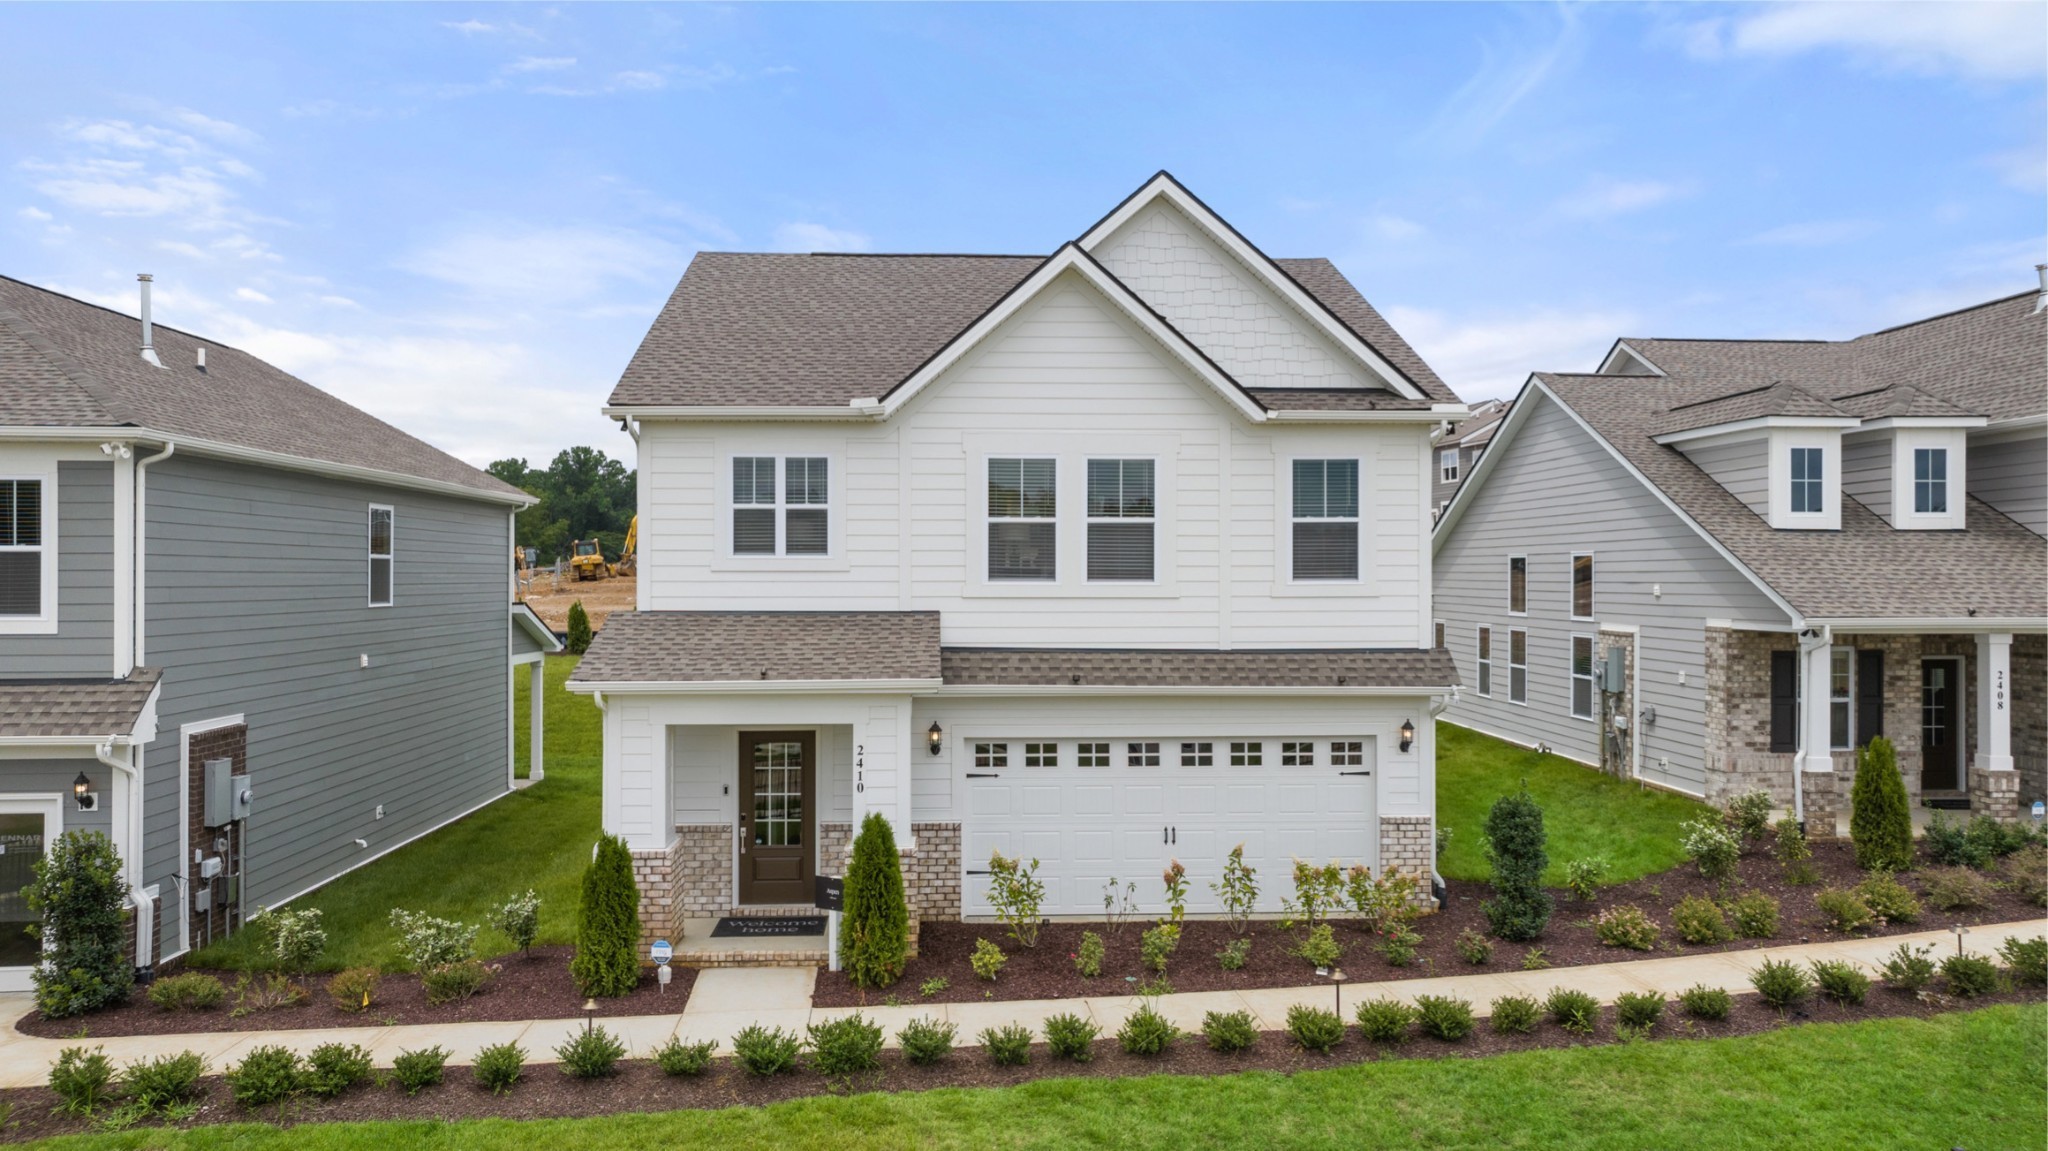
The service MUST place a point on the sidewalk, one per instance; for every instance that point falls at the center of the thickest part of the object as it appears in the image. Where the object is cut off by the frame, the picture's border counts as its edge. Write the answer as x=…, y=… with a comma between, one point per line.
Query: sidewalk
x=781, y=997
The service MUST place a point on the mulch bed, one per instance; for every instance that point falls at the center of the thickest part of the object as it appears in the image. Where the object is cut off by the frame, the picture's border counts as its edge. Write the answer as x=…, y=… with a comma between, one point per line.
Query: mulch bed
x=1047, y=971
x=525, y=987
x=545, y=1092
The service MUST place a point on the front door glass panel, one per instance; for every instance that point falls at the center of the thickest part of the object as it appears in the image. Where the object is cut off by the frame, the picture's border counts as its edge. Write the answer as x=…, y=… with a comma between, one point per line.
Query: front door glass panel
x=779, y=794
x=22, y=841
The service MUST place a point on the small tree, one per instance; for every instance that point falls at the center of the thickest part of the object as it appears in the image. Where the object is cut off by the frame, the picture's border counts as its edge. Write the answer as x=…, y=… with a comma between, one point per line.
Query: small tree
x=579, y=629
x=78, y=892
x=296, y=938
x=519, y=918
x=874, y=943
x=1880, y=823
x=1516, y=846
x=607, y=959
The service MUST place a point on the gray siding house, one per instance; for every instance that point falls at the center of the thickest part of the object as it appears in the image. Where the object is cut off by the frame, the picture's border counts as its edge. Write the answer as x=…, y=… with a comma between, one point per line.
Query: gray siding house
x=1785, y=548
x=1458, y=451
x=203, y=559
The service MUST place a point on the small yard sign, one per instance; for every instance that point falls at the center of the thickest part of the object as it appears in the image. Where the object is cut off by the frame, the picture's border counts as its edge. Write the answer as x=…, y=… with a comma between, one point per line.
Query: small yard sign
x=663, y=952
x=831, y=893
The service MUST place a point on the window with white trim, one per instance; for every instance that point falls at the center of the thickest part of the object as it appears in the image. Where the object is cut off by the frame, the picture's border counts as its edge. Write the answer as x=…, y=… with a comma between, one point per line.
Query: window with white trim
x=1518, y=585
x=781, y=506
x=1807, y=480
x=987, y=755
x=1347, y=753
x=1582, y=586
x=1486, y=661
x=21, y=547
x=1247, y=754
x=1518, y=666
x=1325, y=524
x=1298, y=753
x=1041, y=755
x=1582, y=676
x=1091, y=754
x=382, y=554
x=1023, y=519
x=1122, y=520
x=1841, y=697
x=1930, y=481
x=1141, y=755
x=1198, y=755
x=1447, y=465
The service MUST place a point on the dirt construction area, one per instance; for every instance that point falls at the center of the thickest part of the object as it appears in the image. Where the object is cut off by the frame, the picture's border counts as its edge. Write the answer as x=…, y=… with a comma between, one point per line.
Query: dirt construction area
x=551, y=599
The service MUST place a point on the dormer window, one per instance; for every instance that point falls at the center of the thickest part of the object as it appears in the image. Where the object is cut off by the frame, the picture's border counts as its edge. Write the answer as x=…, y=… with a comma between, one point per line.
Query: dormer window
x=1808, y=481
x=1930, y=481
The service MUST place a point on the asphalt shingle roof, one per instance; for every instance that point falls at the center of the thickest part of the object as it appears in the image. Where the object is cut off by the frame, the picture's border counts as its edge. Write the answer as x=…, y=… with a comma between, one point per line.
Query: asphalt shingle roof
x=67, y=363
x=729, y=647
x=84, y=708
x=1017, y=667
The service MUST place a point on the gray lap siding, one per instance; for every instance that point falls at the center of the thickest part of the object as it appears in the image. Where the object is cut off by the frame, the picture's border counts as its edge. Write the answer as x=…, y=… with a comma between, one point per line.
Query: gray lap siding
x=84, y=642
x=257, y=606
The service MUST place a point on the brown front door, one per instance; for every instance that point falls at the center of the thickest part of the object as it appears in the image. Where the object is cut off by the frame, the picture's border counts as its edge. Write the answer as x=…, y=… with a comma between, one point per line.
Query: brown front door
x=1941, y=717
x=778, y=780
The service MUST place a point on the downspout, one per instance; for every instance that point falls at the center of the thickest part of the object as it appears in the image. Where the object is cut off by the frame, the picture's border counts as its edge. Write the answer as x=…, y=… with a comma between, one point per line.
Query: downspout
x=141, y=541
x=128, y=765
x=1810, y=640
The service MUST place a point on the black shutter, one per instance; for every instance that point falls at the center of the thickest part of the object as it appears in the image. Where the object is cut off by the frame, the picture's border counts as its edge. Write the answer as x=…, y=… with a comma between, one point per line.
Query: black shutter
x=1869, y=695
x=1784, y=701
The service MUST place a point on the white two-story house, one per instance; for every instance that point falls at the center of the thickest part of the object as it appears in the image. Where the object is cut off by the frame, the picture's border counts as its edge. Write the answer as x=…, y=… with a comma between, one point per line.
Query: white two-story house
x=1105, y=558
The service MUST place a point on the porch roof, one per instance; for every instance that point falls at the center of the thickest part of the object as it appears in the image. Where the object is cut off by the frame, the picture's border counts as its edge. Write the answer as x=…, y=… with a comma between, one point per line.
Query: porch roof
x=75, y=708
x=1344, y=668
x=762, y=648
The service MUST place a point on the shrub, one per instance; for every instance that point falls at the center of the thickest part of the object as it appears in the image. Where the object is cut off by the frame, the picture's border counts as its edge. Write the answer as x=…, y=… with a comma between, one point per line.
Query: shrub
x=156, y=1085
x=1237, y=892
x=77, y=896
x=765, y=1050
x=1314, y=1029
x=679, y=1058
x=1016, y=893
x=1445, y=1017
x=1317, y=892
x=355, y=989
x=81, y=1079
x=1007, y=1046
x=1790, y=848
x=191, y=991
x=294, y=936
x=1700, y=921
x=607, y=960
x=1843, y=909
x=455, y=981
x=1880, y=824
x=1976, y=844
x=1753, y=915
x=2028, y=959
x=933, y=986
x=846, y=1046
x=1840, y=981
x=2026, y=872
x=1088, y=957
x=592, y=1053
x=1535, y=960
x=519, y=919
x=1582, y=877
x=1626, y=926
x=1781, y=984
x=1640, y=1010
x=266, y=1075
x=1146, y=1032
x=1319, y=947
x=1398, y=948
x=1234, y=954
x=498, y=1067
x=1176, y=879
x=1515, y=1014
x=1749, y=815
x=1384, y=1020
x=1515, y=846
x=428, y=941
x=1575, y=1011
x=874, y=936
x=1970, y=976
x=333, y=1068
x=1474, y=948
x=1888, y=899
x=1383, y=904
x=987, y=960
x=1158, y=944
x=269, y=992
x=1228, y=1032
x=415, y=1071
x=927, y=1041
x=1071, y=1037
x=579, y=629
x=1708, y=843
x=1956, y=888
x=1908, y=968
x=1703, y=1002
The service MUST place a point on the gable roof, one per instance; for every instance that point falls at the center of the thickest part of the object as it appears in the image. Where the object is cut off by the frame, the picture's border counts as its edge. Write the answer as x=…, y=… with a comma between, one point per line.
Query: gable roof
x=68, y=364
x=76, y=709
x=775, y=649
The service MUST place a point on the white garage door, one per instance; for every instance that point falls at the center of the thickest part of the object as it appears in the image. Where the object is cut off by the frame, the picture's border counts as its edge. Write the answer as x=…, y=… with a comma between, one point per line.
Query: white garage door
x=1091, y=810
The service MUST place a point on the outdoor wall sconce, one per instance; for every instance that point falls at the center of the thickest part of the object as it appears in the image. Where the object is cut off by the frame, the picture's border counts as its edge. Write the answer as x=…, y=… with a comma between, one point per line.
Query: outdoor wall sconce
x=934, y=738
x=1407, y=734
x=83, y=794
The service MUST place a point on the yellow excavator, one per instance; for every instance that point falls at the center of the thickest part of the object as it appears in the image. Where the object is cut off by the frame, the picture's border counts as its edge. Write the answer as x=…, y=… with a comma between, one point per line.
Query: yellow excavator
x=629, y=552
x=586, y=558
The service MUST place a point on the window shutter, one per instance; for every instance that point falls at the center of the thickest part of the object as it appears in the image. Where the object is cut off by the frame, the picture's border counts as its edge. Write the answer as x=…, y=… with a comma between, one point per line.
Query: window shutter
x=1869, y=695
x=1784, y=701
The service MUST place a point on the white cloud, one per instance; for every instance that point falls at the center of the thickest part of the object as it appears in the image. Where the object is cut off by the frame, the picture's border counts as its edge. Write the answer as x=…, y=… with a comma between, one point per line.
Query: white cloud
x=639, y=81
x=222, y=130
x=541, y=64
x=2023, y=168
x=808, y=237
x=128, y=188
x=543, y=265
x=341, y=302
x=253, y=296
x=1813, y=233
x=181, y=248
x=1603, y=197
x=1391, y=227
x=35, y=214
x=1488, y=358
x=475, y=27
x=1981, y=41
x=469, y=27
x=1505, y=77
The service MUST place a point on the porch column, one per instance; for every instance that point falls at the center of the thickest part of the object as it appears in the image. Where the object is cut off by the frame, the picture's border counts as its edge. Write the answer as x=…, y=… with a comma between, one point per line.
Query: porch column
x=536, y=682
x=1815, y=736
x=881, y=770
x=1994, y=785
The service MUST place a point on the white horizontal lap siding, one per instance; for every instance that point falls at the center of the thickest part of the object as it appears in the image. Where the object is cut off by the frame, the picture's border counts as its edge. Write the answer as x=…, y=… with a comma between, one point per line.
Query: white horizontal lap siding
x=1555, y=492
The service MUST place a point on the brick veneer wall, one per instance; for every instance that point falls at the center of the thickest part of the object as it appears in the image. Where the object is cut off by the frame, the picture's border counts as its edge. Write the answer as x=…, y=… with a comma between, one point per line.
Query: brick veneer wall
x=2029, y=695
x=1617, y=750
x=1408, y=842
x=229, y=743
x=931, y=874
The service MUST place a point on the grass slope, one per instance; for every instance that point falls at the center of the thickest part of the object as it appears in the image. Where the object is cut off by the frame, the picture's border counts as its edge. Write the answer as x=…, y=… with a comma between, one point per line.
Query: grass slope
x=1584, y=812
x=539, y=837
x=1970, y=1080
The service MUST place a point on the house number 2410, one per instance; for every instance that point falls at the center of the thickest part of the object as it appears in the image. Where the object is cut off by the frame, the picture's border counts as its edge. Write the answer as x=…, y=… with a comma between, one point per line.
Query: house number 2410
x=860, y=759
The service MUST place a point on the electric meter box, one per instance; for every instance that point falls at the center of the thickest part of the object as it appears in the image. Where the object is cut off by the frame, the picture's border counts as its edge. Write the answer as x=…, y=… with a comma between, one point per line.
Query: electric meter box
x=227, y=794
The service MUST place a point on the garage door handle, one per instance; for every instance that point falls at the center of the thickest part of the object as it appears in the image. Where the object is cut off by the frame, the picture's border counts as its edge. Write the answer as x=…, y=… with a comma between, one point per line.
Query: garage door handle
x=1176, y=835
x=1165, y=835
x=983, y=775
x=1354, y=773
x=977, y=873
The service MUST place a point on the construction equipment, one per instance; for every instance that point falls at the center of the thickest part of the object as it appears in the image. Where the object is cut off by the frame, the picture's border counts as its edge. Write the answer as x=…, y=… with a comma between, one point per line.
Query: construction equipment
x=629, y=552
x=525, y=565
x=586, y=560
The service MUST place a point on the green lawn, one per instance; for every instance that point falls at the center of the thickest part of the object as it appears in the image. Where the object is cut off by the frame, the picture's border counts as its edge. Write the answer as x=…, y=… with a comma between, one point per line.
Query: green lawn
x=539, y=837
x=1962, y=1080
x=1585, y=812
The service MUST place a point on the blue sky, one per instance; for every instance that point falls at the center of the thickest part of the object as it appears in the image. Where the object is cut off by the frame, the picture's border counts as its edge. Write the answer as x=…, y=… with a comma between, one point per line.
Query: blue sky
x=463, y=217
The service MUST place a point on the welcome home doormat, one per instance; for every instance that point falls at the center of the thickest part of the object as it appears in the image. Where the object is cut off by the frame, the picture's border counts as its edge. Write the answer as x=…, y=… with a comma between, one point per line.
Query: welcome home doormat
x=735, y=926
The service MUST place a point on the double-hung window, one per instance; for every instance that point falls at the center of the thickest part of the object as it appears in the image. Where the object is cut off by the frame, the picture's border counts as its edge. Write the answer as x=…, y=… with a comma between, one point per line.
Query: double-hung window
x=1841, y=697
x=1582, y=676
x=21, y=548
x=381, y=555
x=1023, y=519
x=1518, y=585
x=1930, y=481
x=1518, y=666
x=1121, y=520
x=1582, y=587
x=1807, y=481
x=1486, y=661
x=788, y=518
x=1325, y=519
x=1447, y=465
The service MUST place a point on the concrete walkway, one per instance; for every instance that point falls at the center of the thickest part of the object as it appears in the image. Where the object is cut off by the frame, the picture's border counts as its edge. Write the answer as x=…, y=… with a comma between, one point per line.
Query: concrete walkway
x=726, y=1000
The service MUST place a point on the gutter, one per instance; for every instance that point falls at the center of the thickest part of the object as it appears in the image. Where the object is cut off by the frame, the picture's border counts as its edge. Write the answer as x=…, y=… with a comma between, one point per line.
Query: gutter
x=1811, y=639
x=596, y=689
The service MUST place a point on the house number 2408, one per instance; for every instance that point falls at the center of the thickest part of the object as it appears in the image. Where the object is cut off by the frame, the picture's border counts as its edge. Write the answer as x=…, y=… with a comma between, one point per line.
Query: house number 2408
x=860, y=759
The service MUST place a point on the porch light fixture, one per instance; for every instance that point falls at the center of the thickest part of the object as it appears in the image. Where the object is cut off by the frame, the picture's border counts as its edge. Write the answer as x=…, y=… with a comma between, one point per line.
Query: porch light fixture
x=1407, y=734
x=934, y=737
x=82, y=793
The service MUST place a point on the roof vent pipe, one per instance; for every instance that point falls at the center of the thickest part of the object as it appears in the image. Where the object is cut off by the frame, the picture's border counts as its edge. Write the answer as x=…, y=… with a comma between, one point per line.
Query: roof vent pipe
x=202, y=359
x=148, y=341
x=2041, y=301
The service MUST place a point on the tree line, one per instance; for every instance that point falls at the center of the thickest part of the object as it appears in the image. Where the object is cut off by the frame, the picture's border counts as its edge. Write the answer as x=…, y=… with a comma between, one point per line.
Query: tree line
x=584, y=494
